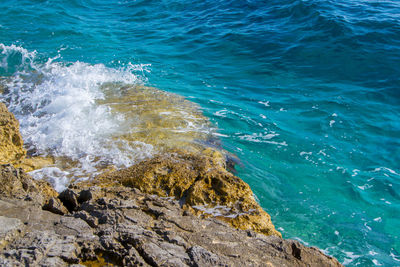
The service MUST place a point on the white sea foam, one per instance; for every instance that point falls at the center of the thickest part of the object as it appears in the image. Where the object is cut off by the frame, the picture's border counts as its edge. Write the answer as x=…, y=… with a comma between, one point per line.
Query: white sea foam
x=394, y=257
x=262, y=138
x=264, y=103
x=365, y=186
x=378, y=219
x=220, y=134
x=221, y=113
x=372, y=253
x=58, y=178
x=258, y=137
x=368, y=227
x=376, y=262
x=350, y=257
x=355, y=172
x=386, y=169
x=24, y=56
x=59, y=113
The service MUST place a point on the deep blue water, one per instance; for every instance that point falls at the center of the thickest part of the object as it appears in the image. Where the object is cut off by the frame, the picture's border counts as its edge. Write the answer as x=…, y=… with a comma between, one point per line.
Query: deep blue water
x=305, y=93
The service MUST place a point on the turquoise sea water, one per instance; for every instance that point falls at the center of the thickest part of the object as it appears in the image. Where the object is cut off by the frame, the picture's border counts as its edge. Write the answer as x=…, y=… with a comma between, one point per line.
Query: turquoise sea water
x=305, y=93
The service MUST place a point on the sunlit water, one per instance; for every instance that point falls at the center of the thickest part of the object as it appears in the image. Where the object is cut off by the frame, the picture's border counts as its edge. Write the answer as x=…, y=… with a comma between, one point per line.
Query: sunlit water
x=305, y=93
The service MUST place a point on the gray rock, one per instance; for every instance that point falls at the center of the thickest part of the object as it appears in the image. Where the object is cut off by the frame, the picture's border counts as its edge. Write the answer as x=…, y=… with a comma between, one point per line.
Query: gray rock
x=54, y=205
x=89, y=219
x=125, y=227
x=9, y=262
x=203, y=257
x=9, y=229
x=85, y=195
x=69, y=198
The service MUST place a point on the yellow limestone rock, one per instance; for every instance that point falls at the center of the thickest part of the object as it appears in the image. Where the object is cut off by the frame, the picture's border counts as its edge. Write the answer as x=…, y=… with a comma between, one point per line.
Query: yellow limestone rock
x=10, y=139
x=34, y=163
x=185, y=168
x=11, y=144
x=201, y=182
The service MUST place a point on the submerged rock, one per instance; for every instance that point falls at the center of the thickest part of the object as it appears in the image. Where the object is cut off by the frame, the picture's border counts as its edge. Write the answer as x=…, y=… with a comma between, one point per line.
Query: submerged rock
x=165, y=120
x=35, y=163
x=202, y=185
x=140, y=121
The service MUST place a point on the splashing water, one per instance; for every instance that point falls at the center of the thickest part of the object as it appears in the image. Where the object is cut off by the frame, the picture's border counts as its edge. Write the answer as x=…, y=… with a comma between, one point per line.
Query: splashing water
x=90, y=117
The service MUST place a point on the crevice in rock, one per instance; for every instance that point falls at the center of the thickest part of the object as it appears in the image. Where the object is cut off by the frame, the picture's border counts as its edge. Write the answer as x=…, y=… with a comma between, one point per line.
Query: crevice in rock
x=177, y=225
x=151, y=213
x=296, y=252
x=69, y=199
x=182, y=200
x=102, y=259
x=144, y=255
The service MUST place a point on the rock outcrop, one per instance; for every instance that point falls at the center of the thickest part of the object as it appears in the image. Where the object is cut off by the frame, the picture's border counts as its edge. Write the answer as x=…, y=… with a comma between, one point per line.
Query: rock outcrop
x=16, y=184
x=202, y=185
x=176, y=209
x=122, y=226
x=11, y=144
x=10, y=139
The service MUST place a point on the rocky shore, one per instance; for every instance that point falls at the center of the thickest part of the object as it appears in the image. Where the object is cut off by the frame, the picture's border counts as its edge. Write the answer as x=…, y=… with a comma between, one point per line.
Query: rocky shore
x=176, y=209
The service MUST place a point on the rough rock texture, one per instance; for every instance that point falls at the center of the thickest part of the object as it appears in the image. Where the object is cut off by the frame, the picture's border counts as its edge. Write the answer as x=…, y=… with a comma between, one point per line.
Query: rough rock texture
x=202, y=185
x=15, y=183
x=10, y=228
x=126, y=227
x=11, y=144
x=118, y=223
x=10, y=139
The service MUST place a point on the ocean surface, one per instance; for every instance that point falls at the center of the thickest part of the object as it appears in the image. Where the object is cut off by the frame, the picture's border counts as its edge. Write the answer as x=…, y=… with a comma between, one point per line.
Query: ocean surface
x=306, y=94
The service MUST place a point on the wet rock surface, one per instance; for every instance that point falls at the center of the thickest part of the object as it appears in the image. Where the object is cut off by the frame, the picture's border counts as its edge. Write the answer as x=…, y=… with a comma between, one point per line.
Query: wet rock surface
x=11, y=144
x=123, y=226
x=165, y=120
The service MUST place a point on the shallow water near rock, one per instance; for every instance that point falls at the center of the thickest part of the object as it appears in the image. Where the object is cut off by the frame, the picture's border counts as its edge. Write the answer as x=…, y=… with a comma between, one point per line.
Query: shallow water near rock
x=305, y=93
x=92, y=118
